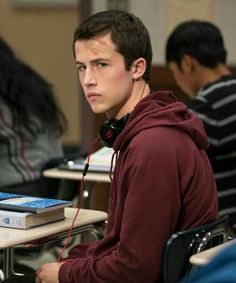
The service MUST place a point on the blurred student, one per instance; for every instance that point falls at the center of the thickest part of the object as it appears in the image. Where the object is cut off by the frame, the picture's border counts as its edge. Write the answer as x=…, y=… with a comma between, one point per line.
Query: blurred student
x=30, y=125
x=162, y=180
x=220, y=269
x=196, y=55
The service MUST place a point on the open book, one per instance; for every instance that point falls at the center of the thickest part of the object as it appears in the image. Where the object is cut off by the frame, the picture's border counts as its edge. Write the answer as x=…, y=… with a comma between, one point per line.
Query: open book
x=100, y=161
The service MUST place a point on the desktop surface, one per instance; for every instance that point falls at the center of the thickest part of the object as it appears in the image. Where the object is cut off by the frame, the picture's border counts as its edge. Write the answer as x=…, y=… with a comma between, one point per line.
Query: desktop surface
x=10, y=237
x=76, y=175
x=204, y=257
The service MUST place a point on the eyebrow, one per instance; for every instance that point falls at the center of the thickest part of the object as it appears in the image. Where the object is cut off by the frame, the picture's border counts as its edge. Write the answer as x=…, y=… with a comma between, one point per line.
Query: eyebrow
x=78, y=63
x=92, y=61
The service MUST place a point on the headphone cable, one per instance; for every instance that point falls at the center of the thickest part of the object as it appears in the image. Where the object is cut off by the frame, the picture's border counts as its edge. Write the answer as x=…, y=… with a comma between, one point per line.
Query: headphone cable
x=85, y=170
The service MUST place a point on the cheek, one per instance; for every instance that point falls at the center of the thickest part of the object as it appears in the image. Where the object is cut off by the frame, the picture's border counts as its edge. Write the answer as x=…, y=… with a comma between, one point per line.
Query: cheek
x=124, y=82
x=80, y=76
x=119, y=81
x=181, y=81
x=186, y=87
x=115, y=76
x=178, y=77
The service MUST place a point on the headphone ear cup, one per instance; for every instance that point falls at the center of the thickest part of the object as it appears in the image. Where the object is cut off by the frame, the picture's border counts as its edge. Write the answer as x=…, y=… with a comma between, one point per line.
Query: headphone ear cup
x=107, y=133
x=110, y=130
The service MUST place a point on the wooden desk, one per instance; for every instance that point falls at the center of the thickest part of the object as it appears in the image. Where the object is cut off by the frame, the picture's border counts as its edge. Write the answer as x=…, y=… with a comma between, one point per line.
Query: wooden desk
x=76, y=175
x=203, y=258
x=87, y=220
x=95, y=198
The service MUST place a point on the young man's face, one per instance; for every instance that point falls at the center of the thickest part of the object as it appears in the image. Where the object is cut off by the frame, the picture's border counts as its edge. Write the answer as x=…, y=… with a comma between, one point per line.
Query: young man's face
x=106, y=83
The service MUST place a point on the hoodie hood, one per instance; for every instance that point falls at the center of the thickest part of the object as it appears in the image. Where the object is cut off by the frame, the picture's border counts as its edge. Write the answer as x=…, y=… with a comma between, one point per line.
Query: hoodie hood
x=161, y=109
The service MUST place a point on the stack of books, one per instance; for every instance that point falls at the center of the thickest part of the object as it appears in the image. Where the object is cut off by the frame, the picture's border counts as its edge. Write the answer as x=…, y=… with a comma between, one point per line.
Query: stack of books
x=24, y=212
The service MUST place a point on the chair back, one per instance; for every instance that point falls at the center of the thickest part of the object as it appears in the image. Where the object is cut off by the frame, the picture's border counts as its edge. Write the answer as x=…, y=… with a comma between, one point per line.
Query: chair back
x=182, y=245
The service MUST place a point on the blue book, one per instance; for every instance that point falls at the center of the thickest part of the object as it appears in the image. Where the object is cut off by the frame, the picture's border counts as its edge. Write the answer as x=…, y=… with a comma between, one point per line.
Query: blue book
x=17, y=202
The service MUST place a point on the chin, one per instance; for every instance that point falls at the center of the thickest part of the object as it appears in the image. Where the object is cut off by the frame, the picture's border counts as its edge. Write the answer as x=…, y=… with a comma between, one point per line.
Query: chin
x=97, y=110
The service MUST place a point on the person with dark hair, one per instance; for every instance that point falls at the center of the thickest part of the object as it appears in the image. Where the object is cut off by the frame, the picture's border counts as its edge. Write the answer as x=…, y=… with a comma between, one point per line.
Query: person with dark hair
x=30, y=125
x=196, y=55
x=162, y=181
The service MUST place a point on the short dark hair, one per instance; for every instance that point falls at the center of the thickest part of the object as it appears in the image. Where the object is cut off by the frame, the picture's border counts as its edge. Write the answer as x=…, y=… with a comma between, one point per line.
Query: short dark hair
x=131, y=37
x=199, y=39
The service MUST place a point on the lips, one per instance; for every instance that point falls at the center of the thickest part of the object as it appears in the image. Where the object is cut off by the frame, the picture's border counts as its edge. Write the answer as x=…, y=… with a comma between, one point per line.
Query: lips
x=93, y=96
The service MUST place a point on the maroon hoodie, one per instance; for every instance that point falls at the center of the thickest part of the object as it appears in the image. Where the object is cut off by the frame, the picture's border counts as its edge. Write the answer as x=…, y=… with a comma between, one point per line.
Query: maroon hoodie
x=162, y=183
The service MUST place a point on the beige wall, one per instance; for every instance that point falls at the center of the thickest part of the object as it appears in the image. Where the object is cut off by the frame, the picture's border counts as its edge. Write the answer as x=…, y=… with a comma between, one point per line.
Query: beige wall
x=161, y=16
x=178, y=11
x=42, y=37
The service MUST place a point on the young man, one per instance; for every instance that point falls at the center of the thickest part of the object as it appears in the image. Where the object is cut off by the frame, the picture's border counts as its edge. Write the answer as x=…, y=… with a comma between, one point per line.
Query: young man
x=196, y=55
x=162, y=181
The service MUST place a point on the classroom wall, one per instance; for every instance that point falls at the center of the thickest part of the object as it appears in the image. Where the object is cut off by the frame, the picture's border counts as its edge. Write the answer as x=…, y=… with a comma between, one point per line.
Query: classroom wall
x=42, y=37
x=161, y=16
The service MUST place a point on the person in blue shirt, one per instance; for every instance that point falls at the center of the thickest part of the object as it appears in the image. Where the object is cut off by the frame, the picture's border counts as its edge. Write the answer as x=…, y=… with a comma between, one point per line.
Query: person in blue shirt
x=221, y=269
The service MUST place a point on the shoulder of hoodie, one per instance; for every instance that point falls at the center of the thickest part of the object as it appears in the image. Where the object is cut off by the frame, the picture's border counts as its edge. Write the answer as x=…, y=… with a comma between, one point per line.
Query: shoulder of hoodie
x=161, y=139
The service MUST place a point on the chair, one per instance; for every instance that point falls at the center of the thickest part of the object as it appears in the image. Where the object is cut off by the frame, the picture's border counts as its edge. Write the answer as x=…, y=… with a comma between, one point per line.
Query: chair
x=182, y=245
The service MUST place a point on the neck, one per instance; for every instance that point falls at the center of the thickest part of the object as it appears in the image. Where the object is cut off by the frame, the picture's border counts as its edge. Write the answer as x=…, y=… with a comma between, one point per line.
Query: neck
x=139, y=91
x=207, y=75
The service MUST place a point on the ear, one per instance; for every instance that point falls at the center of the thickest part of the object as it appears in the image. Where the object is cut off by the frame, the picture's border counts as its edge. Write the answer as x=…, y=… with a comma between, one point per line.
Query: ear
x=138, y=68
x=187, y=64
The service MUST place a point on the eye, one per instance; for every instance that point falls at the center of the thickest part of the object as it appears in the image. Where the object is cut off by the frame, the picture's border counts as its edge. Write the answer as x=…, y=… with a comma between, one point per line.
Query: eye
x=81, y=68
x=101, y=64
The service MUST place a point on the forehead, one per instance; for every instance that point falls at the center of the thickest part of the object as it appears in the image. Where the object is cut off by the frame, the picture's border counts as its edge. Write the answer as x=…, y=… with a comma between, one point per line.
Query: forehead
x=96, y=46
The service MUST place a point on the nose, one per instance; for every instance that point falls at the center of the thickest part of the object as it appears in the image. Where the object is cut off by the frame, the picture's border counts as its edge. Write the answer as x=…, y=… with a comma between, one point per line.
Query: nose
x=89, y=78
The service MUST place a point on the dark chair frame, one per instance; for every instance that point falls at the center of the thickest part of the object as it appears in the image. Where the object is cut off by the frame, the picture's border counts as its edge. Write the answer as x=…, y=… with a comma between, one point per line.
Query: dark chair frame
x=182, y=245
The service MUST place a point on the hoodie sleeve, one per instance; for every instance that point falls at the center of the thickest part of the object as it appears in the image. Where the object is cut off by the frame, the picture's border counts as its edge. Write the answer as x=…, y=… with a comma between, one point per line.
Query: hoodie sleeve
x=149, y=184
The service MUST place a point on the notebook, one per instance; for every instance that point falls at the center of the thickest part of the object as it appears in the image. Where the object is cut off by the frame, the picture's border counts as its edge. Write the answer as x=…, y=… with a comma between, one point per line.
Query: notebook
x=100, y=161
x=17, y=202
